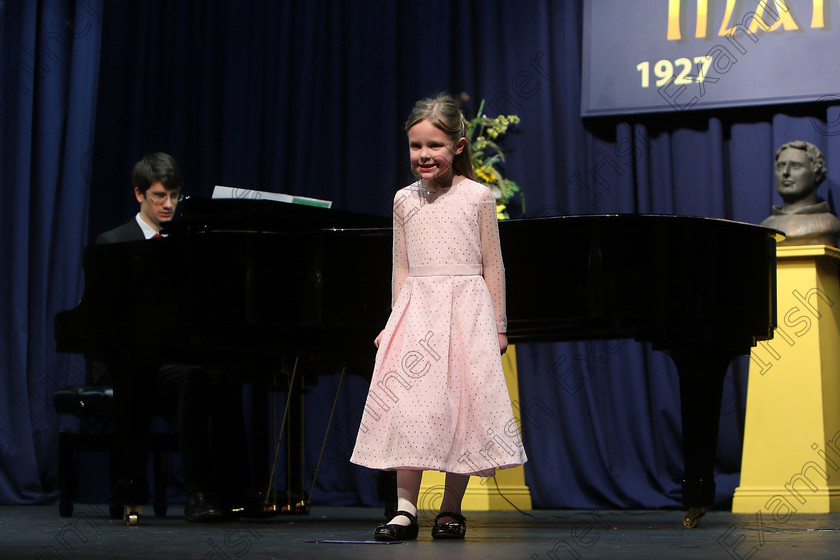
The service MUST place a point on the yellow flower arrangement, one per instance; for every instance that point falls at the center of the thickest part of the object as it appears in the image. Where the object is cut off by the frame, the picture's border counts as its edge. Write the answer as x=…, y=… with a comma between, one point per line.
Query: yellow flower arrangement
x=483, y=134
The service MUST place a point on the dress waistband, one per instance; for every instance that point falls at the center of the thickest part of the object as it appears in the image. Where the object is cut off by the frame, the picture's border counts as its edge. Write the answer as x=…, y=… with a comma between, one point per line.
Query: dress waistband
x=445, y=270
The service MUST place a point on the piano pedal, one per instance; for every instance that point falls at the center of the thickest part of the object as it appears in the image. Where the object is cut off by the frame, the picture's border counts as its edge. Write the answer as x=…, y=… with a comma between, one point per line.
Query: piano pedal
x=298, y=508
x=131, y=515
x=280, y=505
x=283, y=505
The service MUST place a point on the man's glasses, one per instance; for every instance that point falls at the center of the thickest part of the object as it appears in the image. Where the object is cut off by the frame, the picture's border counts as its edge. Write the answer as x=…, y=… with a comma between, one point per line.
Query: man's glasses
x=159, y=198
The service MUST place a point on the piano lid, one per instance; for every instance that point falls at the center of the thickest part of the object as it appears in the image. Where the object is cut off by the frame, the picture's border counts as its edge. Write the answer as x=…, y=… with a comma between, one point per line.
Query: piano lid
x=248, y=215
x=643, y=218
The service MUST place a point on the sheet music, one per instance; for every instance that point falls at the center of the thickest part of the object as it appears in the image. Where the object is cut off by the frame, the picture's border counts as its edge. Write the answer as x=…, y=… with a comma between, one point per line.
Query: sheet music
x=220, y=191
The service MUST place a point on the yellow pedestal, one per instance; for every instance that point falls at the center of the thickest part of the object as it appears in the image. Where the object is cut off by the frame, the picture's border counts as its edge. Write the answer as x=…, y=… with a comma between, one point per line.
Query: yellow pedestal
x=482, y=493
x=791, y=456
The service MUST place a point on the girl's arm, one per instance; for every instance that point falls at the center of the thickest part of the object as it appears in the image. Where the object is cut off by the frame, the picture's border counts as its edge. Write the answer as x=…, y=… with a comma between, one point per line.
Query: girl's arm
x=491, y=259
x=399, y=266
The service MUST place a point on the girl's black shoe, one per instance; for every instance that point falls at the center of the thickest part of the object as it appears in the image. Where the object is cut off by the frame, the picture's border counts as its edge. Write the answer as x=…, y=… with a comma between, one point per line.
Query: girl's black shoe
x=393, y=532
x=452, y=530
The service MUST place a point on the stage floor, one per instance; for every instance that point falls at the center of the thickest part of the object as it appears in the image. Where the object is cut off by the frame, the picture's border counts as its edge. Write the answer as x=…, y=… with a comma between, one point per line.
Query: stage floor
x=38, y=532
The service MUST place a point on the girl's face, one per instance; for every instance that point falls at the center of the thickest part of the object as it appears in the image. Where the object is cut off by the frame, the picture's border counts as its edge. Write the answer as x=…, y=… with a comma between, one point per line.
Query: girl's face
x=431, y=152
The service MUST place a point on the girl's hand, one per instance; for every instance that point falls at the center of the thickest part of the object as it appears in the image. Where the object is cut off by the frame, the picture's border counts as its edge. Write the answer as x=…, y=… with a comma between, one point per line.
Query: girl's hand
x=378, y=338
x=503, y=342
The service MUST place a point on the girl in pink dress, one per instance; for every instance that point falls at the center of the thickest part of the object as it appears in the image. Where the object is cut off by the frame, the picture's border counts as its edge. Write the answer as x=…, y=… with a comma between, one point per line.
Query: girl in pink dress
x=438, y=398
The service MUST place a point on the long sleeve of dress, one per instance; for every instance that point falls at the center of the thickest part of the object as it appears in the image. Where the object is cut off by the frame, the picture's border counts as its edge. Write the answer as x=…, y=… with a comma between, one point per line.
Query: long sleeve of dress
x=399, y=267
x=491, y=258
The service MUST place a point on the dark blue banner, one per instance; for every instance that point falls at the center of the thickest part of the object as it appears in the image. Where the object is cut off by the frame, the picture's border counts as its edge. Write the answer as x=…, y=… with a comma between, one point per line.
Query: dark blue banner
x=665, y=55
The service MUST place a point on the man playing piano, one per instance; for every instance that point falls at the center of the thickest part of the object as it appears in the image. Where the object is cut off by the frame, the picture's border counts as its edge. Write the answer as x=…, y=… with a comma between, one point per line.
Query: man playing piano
x=215, y=476
x=157, y=187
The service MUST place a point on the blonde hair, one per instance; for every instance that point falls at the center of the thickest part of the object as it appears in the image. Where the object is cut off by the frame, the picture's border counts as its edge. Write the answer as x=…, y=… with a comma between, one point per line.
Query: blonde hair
x=444, y=112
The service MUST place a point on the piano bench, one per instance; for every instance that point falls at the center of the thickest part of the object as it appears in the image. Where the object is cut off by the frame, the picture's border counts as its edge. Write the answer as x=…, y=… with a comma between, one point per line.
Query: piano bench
x=94, y=406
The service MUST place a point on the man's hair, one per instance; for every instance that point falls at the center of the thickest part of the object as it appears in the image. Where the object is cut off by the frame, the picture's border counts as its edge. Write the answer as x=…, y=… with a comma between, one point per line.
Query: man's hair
x=814, y=154
x=156, y=167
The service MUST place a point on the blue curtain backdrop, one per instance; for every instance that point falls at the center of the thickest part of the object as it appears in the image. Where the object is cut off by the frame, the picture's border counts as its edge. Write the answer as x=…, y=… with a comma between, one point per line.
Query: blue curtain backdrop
x=308, y=98
x=49, y=61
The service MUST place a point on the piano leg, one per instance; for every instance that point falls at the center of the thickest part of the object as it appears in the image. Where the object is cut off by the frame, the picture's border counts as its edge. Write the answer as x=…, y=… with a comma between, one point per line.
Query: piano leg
x=132, y=428
x=296, y=499
x=701, y=372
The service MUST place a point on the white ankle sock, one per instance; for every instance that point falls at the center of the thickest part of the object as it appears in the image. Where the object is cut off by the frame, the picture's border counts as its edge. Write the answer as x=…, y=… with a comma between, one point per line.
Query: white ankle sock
x=403, y=505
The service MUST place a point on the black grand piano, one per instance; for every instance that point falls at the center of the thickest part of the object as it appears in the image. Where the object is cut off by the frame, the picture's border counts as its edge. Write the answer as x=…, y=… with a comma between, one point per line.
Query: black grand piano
x=265, y=292
x=701, y=290
x=315, y=283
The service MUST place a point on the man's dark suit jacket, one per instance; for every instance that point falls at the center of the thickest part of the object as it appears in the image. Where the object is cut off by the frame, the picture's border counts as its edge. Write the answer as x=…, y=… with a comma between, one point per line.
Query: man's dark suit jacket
x=129, y=231
x=181, y=391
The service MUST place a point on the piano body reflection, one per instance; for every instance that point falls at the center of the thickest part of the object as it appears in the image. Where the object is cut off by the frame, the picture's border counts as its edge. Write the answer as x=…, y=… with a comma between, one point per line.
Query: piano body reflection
x=290, y=281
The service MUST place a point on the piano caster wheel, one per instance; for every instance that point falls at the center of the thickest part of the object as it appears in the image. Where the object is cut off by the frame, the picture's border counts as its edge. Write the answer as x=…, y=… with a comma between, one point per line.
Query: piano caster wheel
x=693, y=516
x=131, y=516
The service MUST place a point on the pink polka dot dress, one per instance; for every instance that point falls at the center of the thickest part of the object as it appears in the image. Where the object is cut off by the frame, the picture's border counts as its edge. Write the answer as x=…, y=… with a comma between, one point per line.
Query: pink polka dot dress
x=438, y=398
